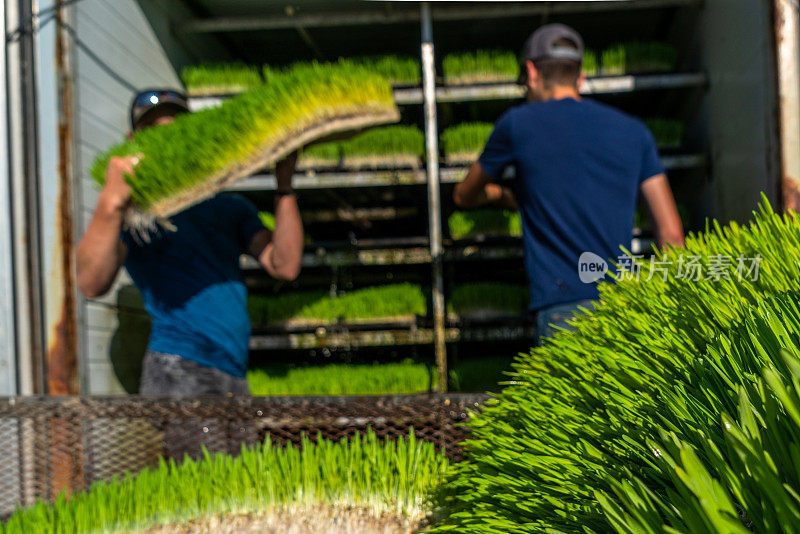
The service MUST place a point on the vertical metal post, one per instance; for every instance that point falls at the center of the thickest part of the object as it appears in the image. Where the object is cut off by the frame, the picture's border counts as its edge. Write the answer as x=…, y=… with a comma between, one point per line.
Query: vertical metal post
x=25, y=195
x=8, y=345
x=787, y=26
x=434, y=198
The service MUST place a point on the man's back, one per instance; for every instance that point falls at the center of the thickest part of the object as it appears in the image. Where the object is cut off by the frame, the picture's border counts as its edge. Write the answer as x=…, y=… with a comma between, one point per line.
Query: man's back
x=579, y=167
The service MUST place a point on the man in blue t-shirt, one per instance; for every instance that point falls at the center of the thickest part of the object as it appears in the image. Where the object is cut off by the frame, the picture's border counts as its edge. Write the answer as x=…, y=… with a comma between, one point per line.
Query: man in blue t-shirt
x=189, y=278
x=580, y=166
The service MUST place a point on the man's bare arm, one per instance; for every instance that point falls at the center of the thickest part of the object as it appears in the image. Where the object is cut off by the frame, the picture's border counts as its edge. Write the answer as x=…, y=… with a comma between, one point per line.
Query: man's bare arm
x=281, y=252
x=100, y=252
x=658, y=196
x=477, y=190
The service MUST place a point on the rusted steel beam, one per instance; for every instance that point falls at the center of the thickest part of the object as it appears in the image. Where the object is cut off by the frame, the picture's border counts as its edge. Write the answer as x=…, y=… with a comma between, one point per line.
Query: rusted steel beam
x=62, y=349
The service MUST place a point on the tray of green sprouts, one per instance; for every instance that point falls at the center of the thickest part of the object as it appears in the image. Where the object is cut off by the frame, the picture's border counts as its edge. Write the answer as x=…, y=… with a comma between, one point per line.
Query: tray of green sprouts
x=389, y=147
x=361, y=483
x=398, y=70
x=370, y=305
x=201, y=153
x=484, y=223
x=463, y=143
x=321, y=156
x=494, y=66
x=638, y=58
x=219, y=79
x=480, y=66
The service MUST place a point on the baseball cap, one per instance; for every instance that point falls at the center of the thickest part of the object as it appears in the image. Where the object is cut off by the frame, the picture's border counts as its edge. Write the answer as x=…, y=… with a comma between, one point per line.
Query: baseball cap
x=542, y=45
x=146, y=101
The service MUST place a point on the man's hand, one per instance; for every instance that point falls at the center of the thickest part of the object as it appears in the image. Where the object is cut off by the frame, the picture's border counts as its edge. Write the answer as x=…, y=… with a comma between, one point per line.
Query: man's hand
x=284, y=171
x=476, y=190
x=100, y=252
x=116, y=193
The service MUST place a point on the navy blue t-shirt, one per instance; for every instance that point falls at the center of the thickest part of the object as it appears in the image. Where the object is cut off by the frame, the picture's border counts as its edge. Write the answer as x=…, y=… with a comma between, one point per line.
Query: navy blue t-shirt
x=192, y=285
x=579, y=165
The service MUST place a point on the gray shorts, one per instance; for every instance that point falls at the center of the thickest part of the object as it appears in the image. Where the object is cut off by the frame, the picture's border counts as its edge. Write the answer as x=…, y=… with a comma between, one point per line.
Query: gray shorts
x=167, y=374
x=547, y=319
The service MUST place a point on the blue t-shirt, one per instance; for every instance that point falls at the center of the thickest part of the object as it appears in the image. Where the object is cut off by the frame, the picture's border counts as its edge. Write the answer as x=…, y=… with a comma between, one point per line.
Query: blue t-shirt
x=579, y=165
x=192, y=285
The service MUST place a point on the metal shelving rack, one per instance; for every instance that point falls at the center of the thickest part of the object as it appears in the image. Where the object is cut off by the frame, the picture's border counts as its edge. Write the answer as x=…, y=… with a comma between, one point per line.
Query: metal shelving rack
x=432, y=250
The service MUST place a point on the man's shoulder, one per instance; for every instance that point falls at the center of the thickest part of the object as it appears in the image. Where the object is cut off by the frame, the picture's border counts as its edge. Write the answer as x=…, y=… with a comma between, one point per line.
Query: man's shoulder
x=610, y=113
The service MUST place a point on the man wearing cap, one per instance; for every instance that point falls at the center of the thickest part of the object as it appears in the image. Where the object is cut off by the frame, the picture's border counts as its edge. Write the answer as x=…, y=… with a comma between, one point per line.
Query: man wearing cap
x=580, y=166
x=189, y=278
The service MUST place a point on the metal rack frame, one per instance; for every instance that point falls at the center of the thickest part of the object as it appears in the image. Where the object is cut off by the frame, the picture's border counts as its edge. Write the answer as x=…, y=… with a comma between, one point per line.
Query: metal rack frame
x=434, y=252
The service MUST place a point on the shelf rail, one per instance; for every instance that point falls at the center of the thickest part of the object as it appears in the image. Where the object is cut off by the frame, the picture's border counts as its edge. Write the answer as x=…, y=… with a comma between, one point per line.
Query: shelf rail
x=628, y=83
x=338, y=19
x=399, y=177
x=434, y=197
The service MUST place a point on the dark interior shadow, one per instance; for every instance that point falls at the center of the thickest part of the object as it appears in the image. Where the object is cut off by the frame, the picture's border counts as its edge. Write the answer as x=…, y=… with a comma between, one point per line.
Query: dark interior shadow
x=129, y=342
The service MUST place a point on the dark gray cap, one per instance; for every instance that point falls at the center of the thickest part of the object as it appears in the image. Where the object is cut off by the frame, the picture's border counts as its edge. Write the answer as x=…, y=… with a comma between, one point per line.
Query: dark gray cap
x=542, y=45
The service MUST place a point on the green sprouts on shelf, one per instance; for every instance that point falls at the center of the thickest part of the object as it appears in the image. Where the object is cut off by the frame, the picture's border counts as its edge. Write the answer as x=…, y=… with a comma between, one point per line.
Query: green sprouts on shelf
x=484, y=222
x=668, y=133
x=391, y=476
x=465, y=141
x=398, y=70
x=480, y=66
x=639, y=57
x=381, y=302
x=398, y=378
x=389, y=140
x=390, y=146
x=220, y=78
x=473, y=375
x=589, y=65
x=320, y=155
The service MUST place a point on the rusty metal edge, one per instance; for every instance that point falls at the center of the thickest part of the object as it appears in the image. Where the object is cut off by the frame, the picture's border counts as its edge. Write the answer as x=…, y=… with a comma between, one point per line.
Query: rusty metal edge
x=62, y=350
x=785, y=25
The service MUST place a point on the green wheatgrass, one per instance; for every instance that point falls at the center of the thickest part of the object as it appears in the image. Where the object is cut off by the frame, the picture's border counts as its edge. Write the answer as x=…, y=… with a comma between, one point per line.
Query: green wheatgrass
x=391, y=476
x=466, y=140
x=469, y=375
x=638, y=57
x=668, y=133
x=386, y=141
x=398, y=70
x=466, y=224
x=221, y=78
x=589, y=66
x=399, y=378
x=322, y=154
x=480, y=66
x=181, y=156
x=673, y=408
x=496, y=297
x=389, y=301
